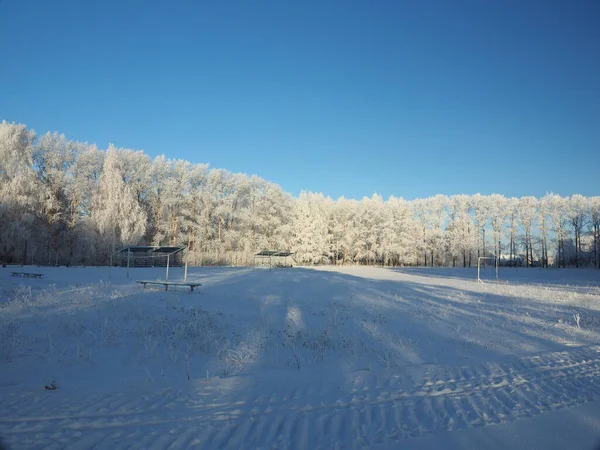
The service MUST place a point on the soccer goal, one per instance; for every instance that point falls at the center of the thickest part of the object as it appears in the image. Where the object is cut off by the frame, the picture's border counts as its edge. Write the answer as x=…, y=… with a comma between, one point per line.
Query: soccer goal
x=149, y=256
x=485, y=263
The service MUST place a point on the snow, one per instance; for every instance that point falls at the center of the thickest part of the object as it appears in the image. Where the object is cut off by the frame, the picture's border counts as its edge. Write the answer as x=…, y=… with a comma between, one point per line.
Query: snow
x=307, y=358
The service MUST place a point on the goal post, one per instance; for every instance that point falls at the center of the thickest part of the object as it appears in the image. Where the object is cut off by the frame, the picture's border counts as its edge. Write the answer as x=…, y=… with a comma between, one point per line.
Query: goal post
x=486, y=258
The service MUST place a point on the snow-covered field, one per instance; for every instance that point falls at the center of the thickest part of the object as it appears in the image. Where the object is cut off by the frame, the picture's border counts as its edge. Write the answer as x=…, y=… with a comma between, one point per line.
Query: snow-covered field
x=343, y=358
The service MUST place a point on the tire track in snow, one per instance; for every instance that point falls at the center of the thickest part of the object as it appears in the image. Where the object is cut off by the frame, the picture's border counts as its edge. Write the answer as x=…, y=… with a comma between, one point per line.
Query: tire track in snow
x=370, y=410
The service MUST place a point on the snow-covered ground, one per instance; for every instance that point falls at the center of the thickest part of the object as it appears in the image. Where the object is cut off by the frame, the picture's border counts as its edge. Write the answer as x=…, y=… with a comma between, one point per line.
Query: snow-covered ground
x=344, y=358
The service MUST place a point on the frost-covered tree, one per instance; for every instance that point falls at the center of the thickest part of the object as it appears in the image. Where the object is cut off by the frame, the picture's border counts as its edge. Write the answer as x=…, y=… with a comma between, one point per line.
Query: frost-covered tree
x=419, y=207
x=460, y=231
x=19, y=193
x=54, y=160
x=68, y=202
x=558, y=207
x=369, y=221
x=194, y=218
x=481, y=206
x=116, y=214
x=437, y=216
x=527, y=209
x=498, y=209
x=543, y=218
x=512, y=212
x=577, y=207
x=273, y=215
x=310, y=228
x=398, y=229
x=345, y=220
x=594, y=205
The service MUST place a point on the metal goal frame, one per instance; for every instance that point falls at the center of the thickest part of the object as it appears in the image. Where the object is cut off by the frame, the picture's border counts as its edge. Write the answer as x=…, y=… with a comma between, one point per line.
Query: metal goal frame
x=479, y=259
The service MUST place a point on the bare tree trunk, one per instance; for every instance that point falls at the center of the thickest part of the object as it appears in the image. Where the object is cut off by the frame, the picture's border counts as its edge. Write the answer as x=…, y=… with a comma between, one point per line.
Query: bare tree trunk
x=528, y=249
x=499, y=250
x=543, y=264
x=579, y=244
x=531, y=248
x=483, y=229
x=495, y=249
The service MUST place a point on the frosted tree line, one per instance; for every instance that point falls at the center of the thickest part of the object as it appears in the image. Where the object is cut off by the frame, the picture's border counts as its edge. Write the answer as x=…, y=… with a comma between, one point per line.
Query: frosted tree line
x=70, y=203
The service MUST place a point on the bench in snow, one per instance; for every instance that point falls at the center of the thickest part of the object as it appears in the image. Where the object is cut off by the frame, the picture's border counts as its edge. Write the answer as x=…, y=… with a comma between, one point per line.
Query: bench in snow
x=166, y=284
x=27, y=275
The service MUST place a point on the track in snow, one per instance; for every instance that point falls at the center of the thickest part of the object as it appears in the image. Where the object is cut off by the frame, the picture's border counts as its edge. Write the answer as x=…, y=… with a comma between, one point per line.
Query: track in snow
x=361, y=411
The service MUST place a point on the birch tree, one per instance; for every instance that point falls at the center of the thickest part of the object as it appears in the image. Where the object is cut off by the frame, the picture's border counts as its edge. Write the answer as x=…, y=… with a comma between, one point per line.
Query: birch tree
x=527, y=209
x=557, y=214
x=576, y=210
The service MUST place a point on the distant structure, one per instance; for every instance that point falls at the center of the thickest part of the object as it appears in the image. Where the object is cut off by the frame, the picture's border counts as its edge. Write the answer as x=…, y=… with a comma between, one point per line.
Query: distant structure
x=273, y=258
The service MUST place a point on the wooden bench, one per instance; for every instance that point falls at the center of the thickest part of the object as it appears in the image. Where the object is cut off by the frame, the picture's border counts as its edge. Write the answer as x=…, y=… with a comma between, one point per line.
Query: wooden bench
x=27, y=274
x=166, y=284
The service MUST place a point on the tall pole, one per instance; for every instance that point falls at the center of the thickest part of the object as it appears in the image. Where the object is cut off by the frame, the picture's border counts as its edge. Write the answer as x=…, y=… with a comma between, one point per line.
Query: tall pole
x=497, y=262
x=167, y=277
x=187, y=255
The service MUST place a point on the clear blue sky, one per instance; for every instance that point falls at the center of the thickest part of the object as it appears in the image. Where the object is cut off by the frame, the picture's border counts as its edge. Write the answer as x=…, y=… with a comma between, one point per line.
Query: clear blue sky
x=410, y=98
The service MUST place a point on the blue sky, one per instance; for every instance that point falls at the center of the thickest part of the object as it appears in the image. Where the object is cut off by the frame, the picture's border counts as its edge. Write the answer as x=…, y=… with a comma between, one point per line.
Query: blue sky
x=410, y=98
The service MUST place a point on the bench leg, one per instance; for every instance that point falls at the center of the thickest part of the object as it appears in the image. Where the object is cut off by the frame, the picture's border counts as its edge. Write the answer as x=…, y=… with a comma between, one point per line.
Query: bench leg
x=166, y=287
x=191, y=288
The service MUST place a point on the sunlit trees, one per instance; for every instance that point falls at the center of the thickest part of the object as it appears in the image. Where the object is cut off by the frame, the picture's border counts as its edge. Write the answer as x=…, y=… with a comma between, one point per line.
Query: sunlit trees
x=19, y=193
x=310, y=228
x=398, y=229
x=68, y=202
x=116, y=213
x=460, y=231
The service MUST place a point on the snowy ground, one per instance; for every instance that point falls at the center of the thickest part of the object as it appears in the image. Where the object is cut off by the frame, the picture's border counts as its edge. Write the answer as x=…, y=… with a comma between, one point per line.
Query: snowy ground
x=301, y=358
